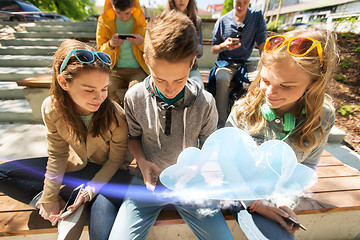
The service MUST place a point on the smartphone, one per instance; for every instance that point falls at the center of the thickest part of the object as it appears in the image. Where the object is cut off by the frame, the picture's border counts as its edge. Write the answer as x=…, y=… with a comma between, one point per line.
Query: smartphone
x=235, y=40
x=72, y=199
x=296, y=223
x=124, y=36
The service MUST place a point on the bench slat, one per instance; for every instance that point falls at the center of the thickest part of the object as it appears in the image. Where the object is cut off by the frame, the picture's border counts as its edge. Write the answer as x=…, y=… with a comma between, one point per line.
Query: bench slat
x=8, y=204
x=335, y=171
x=336, y=184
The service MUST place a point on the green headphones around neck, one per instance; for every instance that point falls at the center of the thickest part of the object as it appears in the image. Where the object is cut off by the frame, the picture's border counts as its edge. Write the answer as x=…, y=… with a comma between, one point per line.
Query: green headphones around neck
x=289, y=119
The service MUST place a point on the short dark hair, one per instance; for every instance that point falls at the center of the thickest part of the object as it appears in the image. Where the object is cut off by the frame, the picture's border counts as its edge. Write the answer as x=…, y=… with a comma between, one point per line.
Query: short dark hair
x=171, y=36
x=122, y=5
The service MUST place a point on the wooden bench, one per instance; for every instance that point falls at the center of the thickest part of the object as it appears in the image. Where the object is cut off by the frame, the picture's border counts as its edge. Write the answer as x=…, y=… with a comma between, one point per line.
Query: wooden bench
x=334, y=198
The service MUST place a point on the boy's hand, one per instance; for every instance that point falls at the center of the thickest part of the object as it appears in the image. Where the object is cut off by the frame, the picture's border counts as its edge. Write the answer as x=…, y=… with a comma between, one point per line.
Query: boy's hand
x=150, y=173
x=228, y=44
x=115, y=41
x=138, y=40
x=269, y=210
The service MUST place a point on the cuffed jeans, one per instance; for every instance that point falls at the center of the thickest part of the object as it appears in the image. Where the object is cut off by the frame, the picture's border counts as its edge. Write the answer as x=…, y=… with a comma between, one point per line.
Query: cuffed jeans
x=24, y=179
x=223, y=76
x=196, y=76
x=256, y=226
x=141, y=208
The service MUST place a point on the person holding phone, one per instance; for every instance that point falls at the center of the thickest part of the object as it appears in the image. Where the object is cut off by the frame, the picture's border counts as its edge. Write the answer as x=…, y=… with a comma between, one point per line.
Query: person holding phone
x=242, y=22
x=87, y=138
x=287, y=101
x=120, y=33
x=188, y=7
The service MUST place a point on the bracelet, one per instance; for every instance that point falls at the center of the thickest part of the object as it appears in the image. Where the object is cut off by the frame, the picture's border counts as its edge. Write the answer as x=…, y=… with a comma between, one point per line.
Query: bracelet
x=252, y=207
x=86, y=194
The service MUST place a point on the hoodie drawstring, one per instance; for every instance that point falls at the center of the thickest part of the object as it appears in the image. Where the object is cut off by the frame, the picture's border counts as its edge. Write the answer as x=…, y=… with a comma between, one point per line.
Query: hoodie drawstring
x=184, y=122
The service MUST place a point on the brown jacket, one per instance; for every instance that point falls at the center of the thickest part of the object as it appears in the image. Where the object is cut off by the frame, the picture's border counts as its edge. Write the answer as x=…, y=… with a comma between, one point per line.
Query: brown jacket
x=67, y=155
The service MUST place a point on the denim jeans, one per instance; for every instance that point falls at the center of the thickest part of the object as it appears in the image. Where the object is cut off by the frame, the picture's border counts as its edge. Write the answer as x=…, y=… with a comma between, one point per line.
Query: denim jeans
x=24, y=179
x=137, y=215
x=256, y=226
x=196, y=76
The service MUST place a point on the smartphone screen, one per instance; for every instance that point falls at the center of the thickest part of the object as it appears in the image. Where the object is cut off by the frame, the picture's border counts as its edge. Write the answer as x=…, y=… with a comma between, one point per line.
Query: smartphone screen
x=72, y=199
x=124, y=36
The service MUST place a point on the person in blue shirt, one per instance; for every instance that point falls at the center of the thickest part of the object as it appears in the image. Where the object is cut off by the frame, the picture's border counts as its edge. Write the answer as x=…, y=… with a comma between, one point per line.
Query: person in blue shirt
x=248, y=23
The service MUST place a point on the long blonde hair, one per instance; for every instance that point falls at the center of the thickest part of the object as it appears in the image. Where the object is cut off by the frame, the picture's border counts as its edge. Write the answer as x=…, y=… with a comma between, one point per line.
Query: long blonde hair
x=63, y=103
x=311, y=131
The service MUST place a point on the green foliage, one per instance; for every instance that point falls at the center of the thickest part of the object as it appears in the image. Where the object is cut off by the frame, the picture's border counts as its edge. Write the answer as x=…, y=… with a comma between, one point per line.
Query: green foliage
x=346, y=63
x=228, y=6
x=357, y=50
x=344, y=35
x=74, y=9
x=271, y=27
x=341, y=78
x=348, y=109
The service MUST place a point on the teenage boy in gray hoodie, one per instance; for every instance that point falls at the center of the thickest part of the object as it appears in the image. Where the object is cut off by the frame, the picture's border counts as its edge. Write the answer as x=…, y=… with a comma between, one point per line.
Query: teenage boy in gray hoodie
x=166, y=113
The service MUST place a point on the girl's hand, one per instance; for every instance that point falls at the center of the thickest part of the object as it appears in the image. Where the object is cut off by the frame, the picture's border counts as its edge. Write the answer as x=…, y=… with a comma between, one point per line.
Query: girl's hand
x=150, y=173
x=269, y=210
x=115, y=41
x=80, y=200
x=50, y=211
x=138, y=40
x=228, y=44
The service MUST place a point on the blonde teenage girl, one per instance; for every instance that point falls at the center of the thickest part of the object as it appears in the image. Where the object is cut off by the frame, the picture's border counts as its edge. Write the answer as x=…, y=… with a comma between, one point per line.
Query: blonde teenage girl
x=287, y=101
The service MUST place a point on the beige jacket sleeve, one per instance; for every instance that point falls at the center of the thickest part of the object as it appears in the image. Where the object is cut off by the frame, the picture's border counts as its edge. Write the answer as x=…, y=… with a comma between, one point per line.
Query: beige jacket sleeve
x=58, y=150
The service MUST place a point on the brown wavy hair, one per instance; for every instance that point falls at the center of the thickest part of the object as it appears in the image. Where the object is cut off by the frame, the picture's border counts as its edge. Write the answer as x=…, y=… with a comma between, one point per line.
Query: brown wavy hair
x=170, y=36
x=190, y=11
x=63, y=103
x=311, y=131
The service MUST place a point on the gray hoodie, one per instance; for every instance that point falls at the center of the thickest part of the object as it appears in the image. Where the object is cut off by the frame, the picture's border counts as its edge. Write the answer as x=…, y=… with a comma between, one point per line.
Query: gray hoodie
x=165, y=130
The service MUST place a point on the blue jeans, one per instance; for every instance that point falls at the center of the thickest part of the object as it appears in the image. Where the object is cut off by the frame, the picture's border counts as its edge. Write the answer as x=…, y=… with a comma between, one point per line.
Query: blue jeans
x=256, y=226
x=137, y=215
x=24, y=179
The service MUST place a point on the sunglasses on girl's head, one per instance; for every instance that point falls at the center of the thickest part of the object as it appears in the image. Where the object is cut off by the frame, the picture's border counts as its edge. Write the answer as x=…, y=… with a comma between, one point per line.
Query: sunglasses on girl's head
x=86, y=56
x=297, y=46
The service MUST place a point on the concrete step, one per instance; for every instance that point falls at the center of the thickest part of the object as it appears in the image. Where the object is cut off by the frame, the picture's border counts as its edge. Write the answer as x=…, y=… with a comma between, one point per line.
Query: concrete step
x=31, y=42
x=62, y=28
x=16, y=74
x=10, y=90
x=15, y=111
x=27, y=50
x=55, y=35
x=336, y=136
x=25, y=61
x=59, y=23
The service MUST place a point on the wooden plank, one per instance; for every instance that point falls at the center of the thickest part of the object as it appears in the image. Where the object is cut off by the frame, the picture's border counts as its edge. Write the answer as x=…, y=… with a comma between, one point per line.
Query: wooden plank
x=336, y=185
x=329, y=202
x=21, y=221
x=8, y=204
x=335, y=171
x=327, y=161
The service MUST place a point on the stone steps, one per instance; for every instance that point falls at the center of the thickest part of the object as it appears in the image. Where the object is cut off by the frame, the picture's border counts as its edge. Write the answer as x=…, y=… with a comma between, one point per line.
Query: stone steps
x=25, y=61
x=10, y=74
x=10, y=90
x=28, y=50
x=54, y=35
x=16, y=111
x=31, y=42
